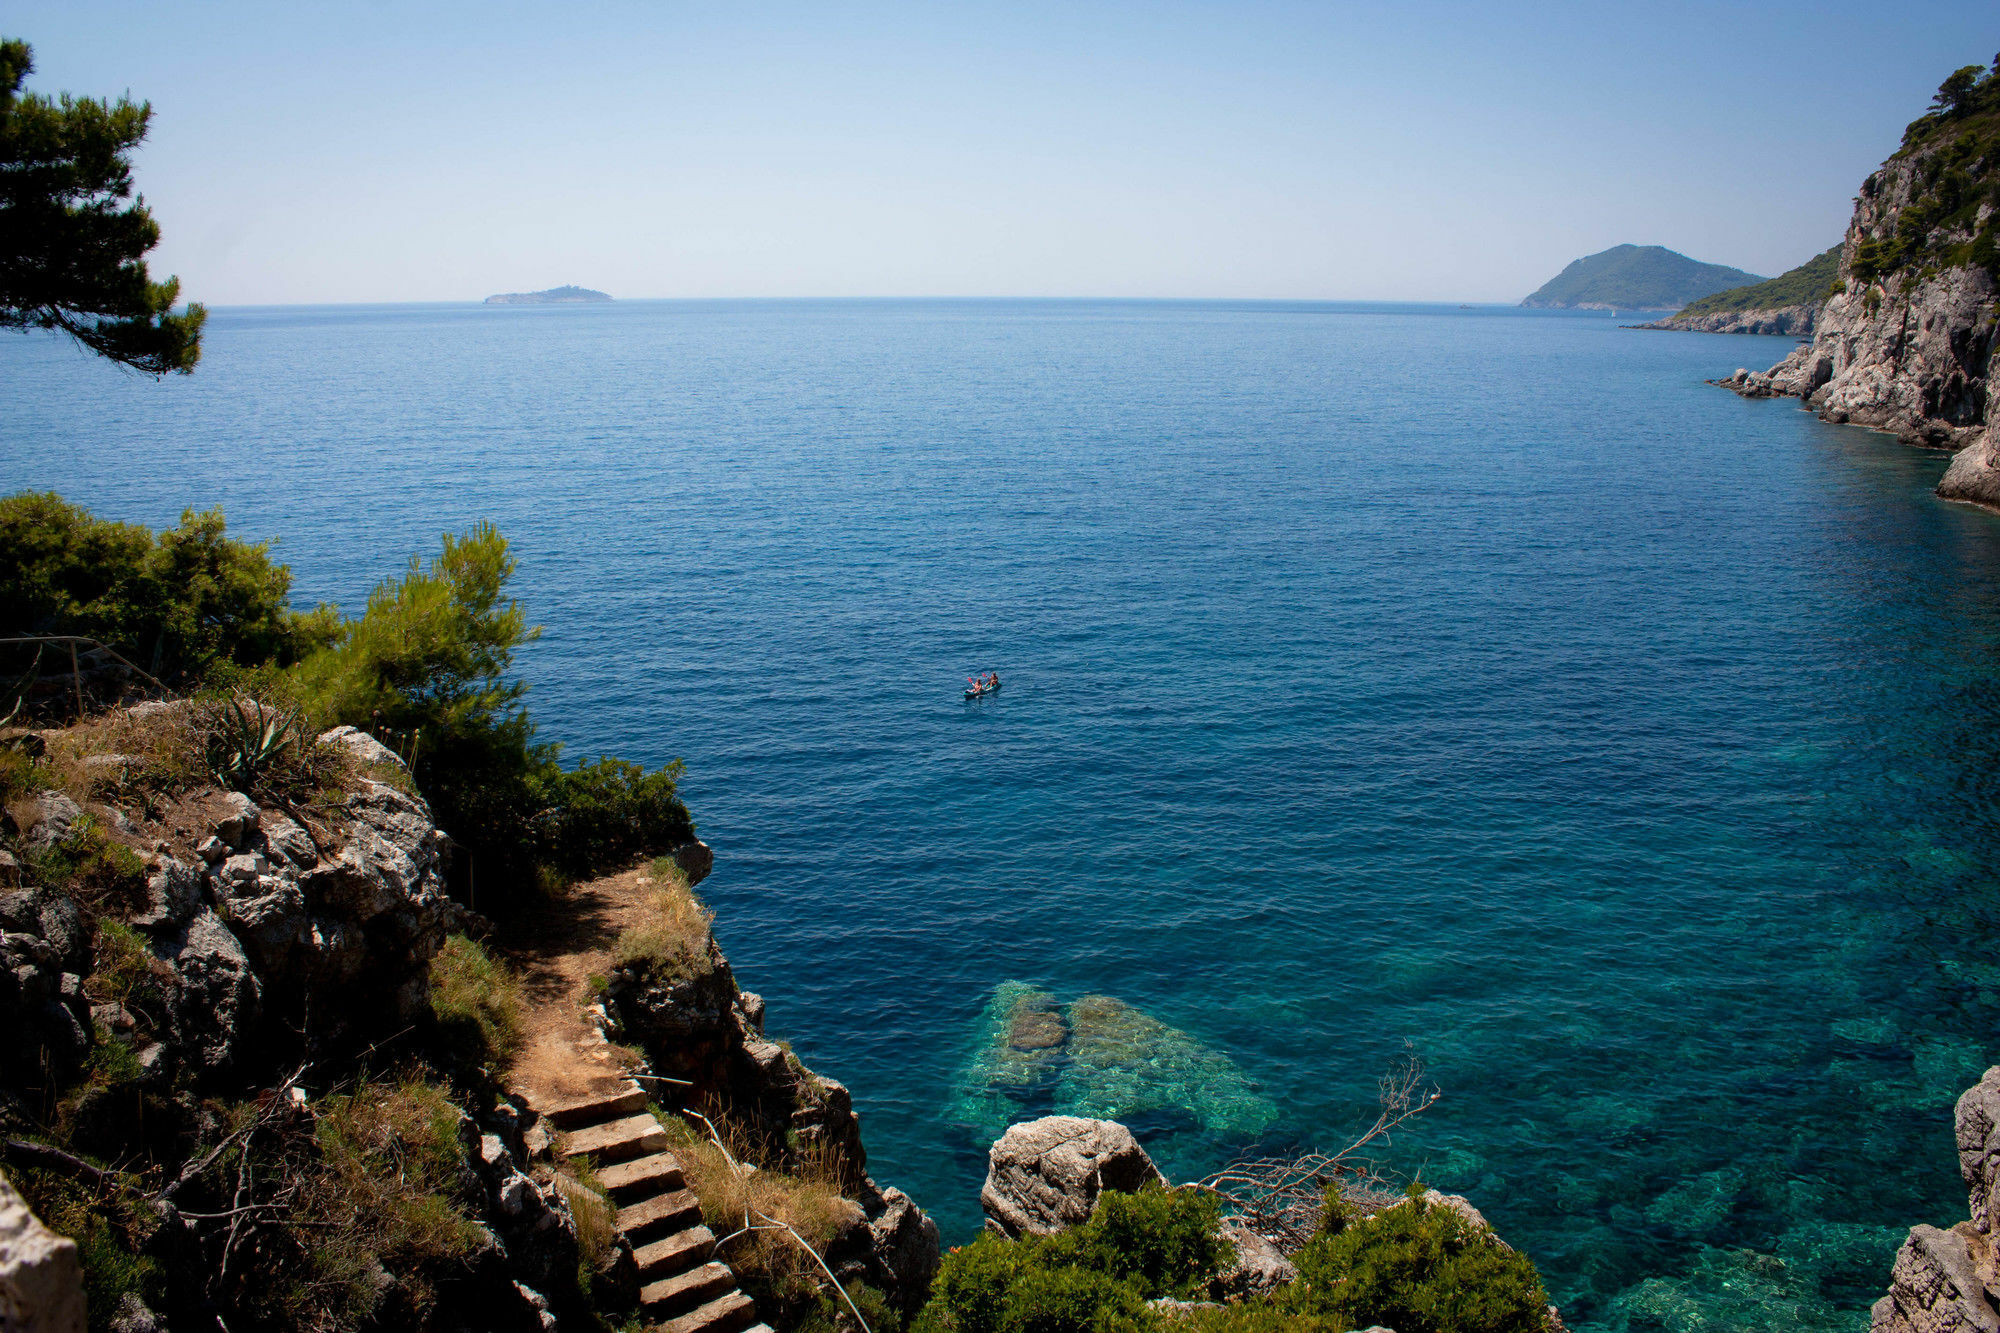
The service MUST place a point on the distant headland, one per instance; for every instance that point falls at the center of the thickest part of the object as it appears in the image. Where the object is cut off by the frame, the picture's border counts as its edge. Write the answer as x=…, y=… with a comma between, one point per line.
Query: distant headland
x=1636, y=277
x=553, y=296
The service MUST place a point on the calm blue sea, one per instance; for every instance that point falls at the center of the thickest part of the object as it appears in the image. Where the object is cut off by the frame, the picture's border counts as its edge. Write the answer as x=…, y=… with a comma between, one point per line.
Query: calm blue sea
x=1474, y=679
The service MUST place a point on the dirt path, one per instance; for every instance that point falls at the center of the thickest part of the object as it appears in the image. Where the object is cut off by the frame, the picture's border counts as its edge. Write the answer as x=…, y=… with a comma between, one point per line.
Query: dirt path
x=556, y=950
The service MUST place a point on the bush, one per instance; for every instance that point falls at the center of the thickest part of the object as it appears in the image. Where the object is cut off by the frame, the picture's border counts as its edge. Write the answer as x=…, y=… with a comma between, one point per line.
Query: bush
x=1162, y=1241
x=110, y=1239
x=429, y=660
x=478, y=1002
x=1419, y=1268
x=176, y=604
x=1095, y=1277
x=609, y=812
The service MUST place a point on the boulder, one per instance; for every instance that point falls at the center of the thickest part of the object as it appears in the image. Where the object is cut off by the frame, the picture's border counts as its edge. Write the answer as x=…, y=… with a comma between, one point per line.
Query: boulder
x=905, y=1245
x=1938, y=1285
x=1259, y=1268
x=41, y=1281
x=52, y=820
x=173, y=894
x=695, y=860
x=363, y=747
x=1046, y=1175
x=213, y=995
x=237, y=819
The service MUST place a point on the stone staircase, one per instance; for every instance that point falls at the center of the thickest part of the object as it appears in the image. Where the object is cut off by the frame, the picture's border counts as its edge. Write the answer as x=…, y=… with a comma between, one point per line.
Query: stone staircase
x=684, y=1288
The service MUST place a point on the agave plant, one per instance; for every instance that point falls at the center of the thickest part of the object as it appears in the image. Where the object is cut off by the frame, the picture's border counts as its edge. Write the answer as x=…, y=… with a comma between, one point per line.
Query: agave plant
x=245, y=739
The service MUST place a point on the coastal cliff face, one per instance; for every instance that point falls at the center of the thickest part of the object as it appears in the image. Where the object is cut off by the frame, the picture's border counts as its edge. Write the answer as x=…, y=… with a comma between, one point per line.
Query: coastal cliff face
x=1908, y=344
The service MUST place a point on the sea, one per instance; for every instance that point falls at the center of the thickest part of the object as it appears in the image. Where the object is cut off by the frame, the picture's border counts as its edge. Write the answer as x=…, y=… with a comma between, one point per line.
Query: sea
x=1380, y=682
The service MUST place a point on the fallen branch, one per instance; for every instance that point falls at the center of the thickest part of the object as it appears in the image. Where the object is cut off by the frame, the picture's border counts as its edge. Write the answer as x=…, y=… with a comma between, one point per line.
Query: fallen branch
x=41, y=1157
x=1284, y=1198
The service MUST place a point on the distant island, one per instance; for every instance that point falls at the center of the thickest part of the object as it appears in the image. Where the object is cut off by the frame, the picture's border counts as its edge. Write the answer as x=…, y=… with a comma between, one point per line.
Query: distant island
x=1788, y=303
x=1636, y=277
x=553, y=296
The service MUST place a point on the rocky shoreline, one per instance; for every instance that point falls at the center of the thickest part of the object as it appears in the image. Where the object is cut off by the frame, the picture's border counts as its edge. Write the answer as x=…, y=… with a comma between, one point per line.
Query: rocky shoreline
x=1786, y=321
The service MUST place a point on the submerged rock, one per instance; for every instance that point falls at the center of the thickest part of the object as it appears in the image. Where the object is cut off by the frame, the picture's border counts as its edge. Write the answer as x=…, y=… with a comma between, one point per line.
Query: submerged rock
x=1099, y=1058
x=1021, y=1040
x=1123, y=1062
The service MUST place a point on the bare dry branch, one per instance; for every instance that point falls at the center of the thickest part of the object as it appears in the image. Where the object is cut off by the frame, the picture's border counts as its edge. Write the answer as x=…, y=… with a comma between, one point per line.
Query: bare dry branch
x=1284, y=1198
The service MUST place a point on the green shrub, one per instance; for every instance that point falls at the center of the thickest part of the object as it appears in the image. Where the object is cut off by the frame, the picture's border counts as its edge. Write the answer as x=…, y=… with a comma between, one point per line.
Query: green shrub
x=174, y=603
x=1162, y=1241
x=1419, y=1268
x=477, y=1001
x=1092, y=1278
x=610, y=812
x=428, y=663
x=429, y=660
x=109, y=1234
x=1070, y=1300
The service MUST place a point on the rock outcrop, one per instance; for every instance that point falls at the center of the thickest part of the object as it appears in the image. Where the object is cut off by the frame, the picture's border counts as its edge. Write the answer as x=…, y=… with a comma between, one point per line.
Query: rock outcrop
x=1942, y=1278
x=1045, y=1175
x=41, y=1282
x=1907, y=345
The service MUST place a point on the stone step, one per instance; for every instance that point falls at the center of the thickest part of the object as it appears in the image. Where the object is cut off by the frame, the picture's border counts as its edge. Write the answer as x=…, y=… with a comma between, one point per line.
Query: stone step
x=641, y=1176
x=617, y=1140
x=758, y=1328
x=593, y=1109
x=724, y=1314
x=685, y=1290
x=662, y=1212
x=670, y=1254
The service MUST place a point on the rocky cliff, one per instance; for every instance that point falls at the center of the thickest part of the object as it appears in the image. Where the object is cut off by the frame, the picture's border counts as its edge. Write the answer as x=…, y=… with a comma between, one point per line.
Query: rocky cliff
x=1943, y=1280
x=198, y=982
x=1907, y=345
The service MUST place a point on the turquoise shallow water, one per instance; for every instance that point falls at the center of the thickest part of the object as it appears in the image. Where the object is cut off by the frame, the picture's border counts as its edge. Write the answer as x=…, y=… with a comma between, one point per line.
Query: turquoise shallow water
x=1477, y=679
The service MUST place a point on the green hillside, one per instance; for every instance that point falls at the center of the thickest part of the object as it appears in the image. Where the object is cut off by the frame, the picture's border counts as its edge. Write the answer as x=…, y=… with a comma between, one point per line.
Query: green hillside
x=1637, y=277
x=1808, y=284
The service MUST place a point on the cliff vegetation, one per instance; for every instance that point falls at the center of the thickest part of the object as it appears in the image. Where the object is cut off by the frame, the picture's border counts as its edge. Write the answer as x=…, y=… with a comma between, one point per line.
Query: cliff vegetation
x=1808, y=284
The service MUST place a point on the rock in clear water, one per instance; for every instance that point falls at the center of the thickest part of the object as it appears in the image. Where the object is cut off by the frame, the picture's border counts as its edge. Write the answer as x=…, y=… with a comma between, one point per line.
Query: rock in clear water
x=1099, y=1059
x=1123, y=1063
x=1021, y=1039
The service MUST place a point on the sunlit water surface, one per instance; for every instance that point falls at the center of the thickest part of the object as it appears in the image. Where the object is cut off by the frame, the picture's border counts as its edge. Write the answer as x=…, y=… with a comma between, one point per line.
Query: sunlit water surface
x=1475, y=679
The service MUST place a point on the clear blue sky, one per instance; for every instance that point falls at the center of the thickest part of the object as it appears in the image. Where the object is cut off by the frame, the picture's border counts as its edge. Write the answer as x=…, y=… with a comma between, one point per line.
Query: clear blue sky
x=374, y=151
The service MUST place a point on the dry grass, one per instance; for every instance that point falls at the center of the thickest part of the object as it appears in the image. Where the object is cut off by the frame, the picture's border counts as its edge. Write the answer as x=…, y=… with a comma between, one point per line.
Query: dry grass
x=478, y=1001
x=385, y=1192
x=673, y=941
x=768, y=1261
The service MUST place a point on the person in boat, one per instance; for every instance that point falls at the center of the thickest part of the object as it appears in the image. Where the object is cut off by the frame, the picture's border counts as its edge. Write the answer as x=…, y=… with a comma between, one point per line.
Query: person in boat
x=992, y=680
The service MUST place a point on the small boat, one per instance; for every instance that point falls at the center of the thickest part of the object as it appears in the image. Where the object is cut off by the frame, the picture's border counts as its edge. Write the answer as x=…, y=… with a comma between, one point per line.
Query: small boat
x=977, y=691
